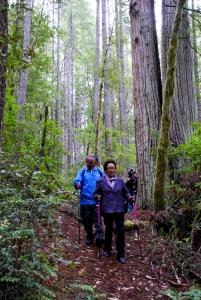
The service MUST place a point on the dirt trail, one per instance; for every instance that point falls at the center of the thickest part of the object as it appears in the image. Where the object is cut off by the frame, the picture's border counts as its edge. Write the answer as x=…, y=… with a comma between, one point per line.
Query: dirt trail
x=81, y=268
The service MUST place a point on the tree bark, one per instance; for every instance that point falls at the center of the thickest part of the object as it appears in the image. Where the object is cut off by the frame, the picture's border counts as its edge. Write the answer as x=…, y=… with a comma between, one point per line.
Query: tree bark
x=68, y=90
x=120, y=59
x=147, y=92
x=102, y=77
x=77, y=125
x=107, y=102
x=58, y=104
x=53, y=67
x=22, y=94
x=111, y=91
x=96, y=77
x=161, y=162
x=3, y=56
x=183, y=106
x=98, y=120
x=196, y=66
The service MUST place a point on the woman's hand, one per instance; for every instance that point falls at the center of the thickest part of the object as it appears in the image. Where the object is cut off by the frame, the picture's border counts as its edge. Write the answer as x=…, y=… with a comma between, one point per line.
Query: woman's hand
x=131, y=199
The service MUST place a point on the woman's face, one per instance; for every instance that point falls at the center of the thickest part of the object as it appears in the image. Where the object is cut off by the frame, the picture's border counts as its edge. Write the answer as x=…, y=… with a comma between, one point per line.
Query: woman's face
x=111, y=170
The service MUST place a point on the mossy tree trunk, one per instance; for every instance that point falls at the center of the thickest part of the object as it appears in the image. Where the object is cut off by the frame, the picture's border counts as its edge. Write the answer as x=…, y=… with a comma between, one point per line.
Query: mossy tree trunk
x=183, y=104
x=161, y=160
x=147, y=94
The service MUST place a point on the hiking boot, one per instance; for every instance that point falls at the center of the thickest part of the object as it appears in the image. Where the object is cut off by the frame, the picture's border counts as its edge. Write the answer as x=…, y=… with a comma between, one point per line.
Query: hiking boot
x=121, y=260
x=107, y=253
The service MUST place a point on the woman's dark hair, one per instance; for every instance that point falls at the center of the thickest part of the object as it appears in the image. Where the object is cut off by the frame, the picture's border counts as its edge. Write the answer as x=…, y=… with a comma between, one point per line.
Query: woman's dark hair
x=107, y=162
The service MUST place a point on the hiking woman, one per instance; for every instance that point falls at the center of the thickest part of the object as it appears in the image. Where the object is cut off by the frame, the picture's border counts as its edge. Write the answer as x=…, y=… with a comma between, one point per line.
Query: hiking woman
x=113, y=196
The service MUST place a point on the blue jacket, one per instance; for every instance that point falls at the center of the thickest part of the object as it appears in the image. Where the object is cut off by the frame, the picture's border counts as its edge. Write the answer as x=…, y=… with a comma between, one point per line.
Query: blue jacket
x=112, y=200
x=87, y=179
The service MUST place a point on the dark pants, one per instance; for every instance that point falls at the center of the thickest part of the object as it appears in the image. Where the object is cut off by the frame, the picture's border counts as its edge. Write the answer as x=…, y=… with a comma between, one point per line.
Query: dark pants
x=89, y=216
x=118, y=218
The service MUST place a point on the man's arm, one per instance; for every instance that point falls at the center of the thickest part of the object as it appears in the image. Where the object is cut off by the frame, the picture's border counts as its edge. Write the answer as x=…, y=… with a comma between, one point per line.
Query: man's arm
x=78, y=180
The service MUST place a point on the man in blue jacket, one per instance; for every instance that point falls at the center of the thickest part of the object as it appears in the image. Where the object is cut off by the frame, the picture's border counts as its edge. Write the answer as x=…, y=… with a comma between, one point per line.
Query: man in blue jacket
x=85, y=181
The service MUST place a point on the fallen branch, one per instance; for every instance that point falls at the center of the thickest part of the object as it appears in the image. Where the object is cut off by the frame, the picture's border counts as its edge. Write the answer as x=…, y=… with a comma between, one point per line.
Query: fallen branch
x=175, y=273
x=182, y=271
x=155, y=274
x=163, y=265
x=176, y=284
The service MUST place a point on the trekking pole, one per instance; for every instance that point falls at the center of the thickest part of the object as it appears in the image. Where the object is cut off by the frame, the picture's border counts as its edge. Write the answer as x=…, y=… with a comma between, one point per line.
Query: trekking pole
x=79, y=221
x=99, y=225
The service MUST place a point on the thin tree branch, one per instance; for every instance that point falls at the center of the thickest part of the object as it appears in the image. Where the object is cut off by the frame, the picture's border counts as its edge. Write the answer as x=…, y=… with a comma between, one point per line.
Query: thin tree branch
x=185, y=8
x=199, y=53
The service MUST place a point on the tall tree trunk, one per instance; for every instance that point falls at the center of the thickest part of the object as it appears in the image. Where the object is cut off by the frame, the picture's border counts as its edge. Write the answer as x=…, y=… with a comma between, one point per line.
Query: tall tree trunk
x=58, y=104
x=161, y=162
x=72, y=132
x=65, y=108
x=68, y=91
x=107, y=102
x=53, y=66
x=111, y=91
x=196, y=70
x=3, y=56
x=22, y=94
x=183, y=106
x=115, y=114
x=77, y=125
x=114, y=111
x=96, y=77
x=120, y=59
x=98, y=119
x=147, y=92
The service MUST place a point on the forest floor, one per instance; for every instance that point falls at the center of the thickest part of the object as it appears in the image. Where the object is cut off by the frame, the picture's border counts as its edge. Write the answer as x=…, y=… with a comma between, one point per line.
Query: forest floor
x=84, y=274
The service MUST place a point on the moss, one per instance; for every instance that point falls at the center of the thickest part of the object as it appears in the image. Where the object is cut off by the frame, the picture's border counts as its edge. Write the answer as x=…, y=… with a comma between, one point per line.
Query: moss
x=161, y=161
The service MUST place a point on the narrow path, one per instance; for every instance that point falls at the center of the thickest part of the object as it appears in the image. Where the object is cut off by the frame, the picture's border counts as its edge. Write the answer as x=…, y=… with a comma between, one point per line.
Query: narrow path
x=82, y=267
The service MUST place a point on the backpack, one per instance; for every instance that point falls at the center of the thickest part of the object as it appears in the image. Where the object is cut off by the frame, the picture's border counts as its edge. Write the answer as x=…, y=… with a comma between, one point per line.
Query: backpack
x=83, y=172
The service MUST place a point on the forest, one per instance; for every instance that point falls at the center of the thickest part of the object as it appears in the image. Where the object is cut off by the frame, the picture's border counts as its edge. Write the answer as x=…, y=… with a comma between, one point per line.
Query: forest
x=112, y=79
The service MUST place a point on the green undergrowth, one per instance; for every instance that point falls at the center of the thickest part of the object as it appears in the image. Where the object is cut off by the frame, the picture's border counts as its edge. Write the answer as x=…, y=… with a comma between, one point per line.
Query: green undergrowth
x=26, y=210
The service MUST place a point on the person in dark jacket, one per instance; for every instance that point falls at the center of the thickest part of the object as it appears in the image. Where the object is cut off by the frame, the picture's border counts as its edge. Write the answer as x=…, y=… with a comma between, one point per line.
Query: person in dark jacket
x=85, y=181
x=113, y=196
x=132, y=184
